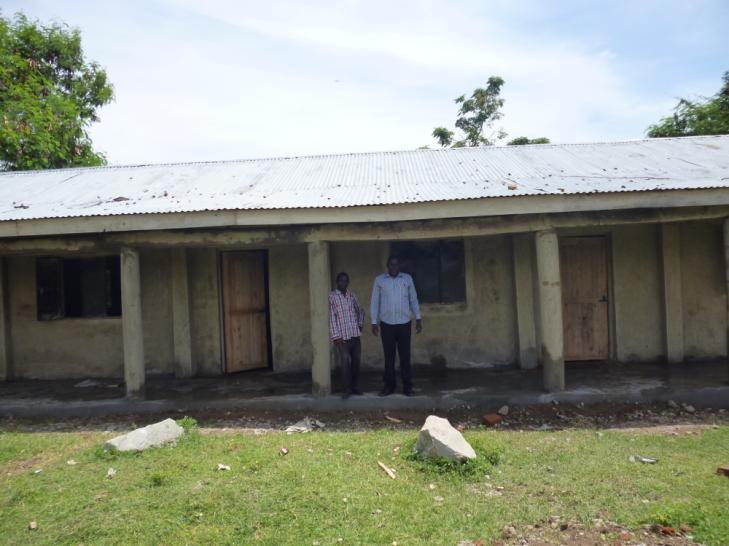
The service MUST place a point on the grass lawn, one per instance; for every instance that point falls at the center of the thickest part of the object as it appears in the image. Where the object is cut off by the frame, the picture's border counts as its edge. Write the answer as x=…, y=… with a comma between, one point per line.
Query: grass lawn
x=329, y=487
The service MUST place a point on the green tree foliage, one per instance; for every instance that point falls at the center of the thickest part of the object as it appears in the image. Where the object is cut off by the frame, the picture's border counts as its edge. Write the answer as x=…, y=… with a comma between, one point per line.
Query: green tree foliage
x=49, y=95
x=520, y=141
x=476, y=114
x=706, y=116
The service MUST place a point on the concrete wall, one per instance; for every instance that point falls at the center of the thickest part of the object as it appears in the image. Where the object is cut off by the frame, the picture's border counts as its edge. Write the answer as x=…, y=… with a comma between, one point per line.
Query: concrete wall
x=156, y=311
x=480, y=333
x=207, y=357
x=288, y=286
x=638, y=297
x=703, y=290
x=60, y=348
x=86, y=347
x=637, y=293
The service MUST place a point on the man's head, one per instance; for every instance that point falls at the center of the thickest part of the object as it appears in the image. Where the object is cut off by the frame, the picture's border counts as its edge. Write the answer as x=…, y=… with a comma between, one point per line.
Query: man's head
x=393, y=266
x=342, y=281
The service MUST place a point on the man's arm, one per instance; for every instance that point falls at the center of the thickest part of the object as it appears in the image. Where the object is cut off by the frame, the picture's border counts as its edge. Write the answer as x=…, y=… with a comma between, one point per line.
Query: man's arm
x=375, y=307
x=415, y=306
x=335, y=333
x=360, y=311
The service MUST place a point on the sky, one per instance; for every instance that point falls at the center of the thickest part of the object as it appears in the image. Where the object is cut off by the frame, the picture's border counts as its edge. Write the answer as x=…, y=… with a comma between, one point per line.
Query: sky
x=215, y=79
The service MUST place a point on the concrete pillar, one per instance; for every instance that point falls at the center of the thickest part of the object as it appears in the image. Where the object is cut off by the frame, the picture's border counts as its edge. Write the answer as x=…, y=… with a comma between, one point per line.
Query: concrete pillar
x=319, y=286
x=524, y=295
x=726, y=276
x=182, y=345
x=550, y=310
x=5, y=364
x=132, y=332
x=672, y=298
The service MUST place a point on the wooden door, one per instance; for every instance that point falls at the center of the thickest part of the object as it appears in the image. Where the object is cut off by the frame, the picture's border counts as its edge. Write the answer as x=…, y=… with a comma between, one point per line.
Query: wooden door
x=584, y=271
x=245, y=310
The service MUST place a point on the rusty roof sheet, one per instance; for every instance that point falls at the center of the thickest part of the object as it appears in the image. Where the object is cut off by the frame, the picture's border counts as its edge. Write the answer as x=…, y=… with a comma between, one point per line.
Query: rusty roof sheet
x=382, y=178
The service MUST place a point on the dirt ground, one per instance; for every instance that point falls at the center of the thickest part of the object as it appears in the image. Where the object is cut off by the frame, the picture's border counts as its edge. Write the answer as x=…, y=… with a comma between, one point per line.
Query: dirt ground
x=649, y=418
x=554, y=531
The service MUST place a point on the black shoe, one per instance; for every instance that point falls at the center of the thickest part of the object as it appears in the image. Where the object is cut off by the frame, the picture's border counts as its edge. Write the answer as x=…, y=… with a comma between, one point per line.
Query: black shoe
x=385, y=392
x=356, y=392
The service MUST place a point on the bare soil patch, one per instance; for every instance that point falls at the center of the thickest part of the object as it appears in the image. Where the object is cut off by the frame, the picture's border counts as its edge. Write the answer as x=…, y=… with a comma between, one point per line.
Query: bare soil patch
x=554, y=531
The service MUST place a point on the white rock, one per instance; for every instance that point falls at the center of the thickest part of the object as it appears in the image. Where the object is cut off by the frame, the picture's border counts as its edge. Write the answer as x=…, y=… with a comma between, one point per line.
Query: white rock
x=439, y=439
x=503, y=410
x=689, y=408
x=155, y=435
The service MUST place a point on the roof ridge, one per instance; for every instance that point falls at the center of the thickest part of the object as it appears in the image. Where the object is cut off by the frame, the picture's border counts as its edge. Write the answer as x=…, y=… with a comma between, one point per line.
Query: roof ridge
x=359, y=154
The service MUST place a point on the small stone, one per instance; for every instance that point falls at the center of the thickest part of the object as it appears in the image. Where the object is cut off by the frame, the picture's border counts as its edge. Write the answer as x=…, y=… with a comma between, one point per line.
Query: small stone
x=223, y=467
x=672, y=404
x=111, y=473
x=431, y=486
x=503, y=410
x=723, y=470
x=688, y=408
x=32, y=526
x=508, y=532
x=284, y=451
x=70, y=462
x=438, y=498
x=492, y=419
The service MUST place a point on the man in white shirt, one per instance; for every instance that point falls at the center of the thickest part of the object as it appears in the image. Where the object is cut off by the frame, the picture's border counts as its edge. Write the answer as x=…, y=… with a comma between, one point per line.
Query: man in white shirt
x=394, y=302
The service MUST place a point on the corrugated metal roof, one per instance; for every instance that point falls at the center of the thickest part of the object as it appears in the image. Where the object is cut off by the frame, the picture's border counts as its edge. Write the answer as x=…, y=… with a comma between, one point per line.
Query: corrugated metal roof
x=368, y=179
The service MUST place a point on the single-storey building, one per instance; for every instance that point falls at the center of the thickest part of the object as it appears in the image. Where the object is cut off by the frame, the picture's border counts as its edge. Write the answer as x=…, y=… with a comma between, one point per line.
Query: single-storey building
x=522, y=256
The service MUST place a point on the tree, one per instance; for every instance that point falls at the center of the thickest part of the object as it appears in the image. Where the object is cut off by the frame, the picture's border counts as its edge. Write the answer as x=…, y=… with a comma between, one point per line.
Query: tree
x=522, y=140
x=49, y=95
x=706, y=116
x=475, y=114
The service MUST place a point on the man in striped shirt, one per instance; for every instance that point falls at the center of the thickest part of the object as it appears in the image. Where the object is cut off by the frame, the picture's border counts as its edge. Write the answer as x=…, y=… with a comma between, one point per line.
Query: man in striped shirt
x=394, y=302
x=346, y=318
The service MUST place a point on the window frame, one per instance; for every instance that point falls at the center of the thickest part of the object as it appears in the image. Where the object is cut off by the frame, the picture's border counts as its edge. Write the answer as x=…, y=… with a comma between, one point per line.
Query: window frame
x=113, y=281
x=445, y=309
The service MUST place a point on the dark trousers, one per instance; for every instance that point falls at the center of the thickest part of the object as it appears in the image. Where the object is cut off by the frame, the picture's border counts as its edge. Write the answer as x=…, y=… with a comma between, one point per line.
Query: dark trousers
x=396, y=338
x=349, y=352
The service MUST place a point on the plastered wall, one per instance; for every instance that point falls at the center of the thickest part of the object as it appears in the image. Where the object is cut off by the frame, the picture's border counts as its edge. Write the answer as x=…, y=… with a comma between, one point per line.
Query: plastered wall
x=288, y=284
x=85, y=347
x=637, y=293
x=703, y=291
x=481, y=332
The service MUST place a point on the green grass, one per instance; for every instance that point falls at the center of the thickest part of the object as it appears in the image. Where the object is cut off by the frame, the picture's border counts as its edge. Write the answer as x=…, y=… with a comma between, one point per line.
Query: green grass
x=329, y=486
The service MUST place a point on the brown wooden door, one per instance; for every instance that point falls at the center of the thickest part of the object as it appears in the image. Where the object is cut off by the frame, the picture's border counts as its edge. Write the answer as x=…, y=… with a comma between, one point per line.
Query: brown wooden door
x=584, y=271
x=245, y=310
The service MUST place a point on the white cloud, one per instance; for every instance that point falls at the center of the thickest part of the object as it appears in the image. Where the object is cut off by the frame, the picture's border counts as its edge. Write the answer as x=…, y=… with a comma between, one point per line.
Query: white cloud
x=213, y=80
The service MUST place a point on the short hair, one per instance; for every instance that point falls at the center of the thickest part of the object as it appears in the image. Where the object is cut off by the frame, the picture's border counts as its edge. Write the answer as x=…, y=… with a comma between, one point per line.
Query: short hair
x=342, y=274
x=392, y=257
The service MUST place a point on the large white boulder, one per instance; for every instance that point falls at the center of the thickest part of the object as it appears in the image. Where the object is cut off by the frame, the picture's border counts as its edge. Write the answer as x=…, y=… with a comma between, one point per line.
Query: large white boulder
x=439, y=439
x=155, y=435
